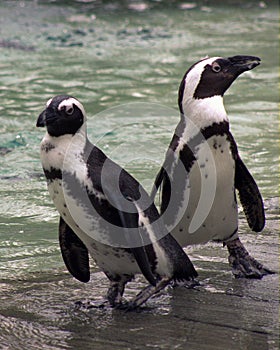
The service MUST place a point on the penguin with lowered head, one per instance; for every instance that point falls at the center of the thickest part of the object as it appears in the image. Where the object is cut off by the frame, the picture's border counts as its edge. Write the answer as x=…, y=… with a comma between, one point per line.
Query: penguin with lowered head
x=104, y=212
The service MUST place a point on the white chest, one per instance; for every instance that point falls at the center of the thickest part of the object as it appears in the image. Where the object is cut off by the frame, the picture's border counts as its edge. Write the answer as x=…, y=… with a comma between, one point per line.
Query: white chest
x=208, y=210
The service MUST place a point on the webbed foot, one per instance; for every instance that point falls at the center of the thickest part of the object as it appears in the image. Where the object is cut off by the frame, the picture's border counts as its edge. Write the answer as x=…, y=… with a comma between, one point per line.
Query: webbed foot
x=126, y=306
x=143, y=296
x=186, y=284
x=243, y=265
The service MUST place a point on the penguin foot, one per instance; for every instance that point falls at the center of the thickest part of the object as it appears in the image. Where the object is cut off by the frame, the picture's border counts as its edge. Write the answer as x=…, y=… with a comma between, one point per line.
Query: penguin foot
x=243, y=265
x=126, y=306
x=187, y=284
x=115, y=291
x=143, y=296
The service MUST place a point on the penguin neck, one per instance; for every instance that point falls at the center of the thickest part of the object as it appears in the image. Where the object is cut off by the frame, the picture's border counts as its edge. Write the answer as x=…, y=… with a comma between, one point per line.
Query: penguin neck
x=199, y=114
x=205, y=111
x=64, y=149
x=79, y=139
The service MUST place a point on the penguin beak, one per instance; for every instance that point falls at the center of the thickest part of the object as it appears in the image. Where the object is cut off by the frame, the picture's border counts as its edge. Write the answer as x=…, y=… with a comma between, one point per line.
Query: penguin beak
x=240, y=64
x=41, y=121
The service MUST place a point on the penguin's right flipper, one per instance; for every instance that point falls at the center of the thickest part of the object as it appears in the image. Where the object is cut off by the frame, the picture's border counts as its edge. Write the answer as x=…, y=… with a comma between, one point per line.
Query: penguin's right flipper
x=163, y=184
x=158, y=181
x=74, y=252
x=250, y=196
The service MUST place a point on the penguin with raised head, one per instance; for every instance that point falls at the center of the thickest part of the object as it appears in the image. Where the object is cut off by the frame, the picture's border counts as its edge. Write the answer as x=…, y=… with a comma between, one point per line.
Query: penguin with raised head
x=104, y=211
x=203, y=169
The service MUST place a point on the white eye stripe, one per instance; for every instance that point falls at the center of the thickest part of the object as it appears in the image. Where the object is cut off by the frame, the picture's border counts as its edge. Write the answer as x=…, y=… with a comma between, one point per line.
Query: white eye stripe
x=69, y=103
x=203, y=63
x=49, y=102
x=194, y=75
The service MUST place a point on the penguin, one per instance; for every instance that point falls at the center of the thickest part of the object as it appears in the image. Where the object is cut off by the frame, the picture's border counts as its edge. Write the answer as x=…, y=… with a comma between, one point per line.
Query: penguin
x=202, y=168
x=104, y=212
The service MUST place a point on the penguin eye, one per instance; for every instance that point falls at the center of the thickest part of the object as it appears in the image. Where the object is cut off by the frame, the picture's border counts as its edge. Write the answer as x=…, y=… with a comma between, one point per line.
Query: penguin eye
x=69, y=110
x=216, y=67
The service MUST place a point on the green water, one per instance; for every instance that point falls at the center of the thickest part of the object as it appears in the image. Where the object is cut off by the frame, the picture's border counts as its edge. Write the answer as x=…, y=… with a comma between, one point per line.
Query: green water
x=124, y=61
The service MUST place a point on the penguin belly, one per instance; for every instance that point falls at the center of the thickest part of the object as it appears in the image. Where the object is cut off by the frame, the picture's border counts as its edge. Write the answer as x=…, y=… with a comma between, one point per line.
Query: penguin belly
x=208, y=210
x=110, y=259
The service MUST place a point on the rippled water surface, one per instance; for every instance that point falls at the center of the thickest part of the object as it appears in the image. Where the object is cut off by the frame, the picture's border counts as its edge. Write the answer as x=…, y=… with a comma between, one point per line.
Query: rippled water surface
x=124, y=60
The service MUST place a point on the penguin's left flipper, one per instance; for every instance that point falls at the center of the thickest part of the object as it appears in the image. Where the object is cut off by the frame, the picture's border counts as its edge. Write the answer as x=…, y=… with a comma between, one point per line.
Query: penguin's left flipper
x=128, y=221
x=250, y=196
x=74, y=252
x=243, y=265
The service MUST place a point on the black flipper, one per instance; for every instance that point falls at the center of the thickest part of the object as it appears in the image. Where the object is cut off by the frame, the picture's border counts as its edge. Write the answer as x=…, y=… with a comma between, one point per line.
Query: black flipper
x=250, y=196
x=163, y=183
x=141, y=257
x=139, y=253
x=158, y=181
x=74, y=252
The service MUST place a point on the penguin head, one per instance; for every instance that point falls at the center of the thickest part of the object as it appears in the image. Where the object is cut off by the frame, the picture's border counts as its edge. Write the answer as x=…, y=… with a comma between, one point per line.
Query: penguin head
x=212, y=77
x=63, y=115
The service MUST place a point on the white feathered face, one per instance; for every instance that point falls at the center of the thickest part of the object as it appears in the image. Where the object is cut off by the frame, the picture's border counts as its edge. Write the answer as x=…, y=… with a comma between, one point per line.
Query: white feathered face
x=63, y=115
x=213, y=76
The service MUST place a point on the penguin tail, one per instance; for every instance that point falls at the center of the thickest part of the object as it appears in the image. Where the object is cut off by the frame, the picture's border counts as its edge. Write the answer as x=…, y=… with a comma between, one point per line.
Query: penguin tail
x=184, y=272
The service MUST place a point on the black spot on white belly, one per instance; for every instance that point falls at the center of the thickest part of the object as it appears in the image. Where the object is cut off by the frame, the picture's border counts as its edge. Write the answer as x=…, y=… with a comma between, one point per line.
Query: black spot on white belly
x=53, y=174
x=94, y=246
x=215, y=145
x=46, y=147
